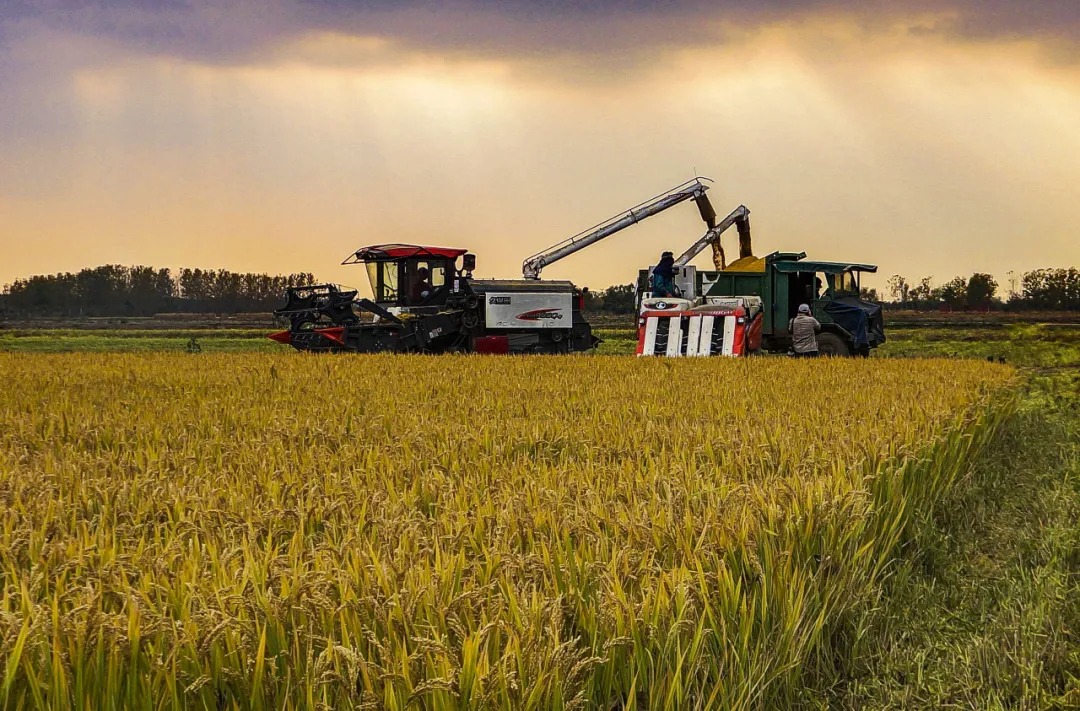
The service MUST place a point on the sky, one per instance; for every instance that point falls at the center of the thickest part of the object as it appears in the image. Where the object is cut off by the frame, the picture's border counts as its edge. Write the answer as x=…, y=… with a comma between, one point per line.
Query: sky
x=930, y=137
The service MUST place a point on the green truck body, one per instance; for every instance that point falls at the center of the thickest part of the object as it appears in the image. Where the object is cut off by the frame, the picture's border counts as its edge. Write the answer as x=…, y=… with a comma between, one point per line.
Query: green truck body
x=849, y=325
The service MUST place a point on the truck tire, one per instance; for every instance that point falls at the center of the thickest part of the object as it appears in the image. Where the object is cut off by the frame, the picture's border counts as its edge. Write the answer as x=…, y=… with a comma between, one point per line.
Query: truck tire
x=830, y=344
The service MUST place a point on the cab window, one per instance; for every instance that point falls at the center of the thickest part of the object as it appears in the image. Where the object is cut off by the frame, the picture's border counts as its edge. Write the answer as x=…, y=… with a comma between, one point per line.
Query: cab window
x=423, y=278
x=846, y=283
x=384, y=280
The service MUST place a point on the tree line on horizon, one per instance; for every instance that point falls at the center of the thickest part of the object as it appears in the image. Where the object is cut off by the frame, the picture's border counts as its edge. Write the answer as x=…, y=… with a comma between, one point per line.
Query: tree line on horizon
x=114, y=290
x=1039, y=289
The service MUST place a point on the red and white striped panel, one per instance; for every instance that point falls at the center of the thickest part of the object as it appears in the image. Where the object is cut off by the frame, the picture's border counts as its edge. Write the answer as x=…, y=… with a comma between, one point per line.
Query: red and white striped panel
x=687, y=334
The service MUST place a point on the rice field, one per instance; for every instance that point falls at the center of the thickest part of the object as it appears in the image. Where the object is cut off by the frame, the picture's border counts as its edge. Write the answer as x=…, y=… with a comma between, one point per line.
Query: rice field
x=272, y=530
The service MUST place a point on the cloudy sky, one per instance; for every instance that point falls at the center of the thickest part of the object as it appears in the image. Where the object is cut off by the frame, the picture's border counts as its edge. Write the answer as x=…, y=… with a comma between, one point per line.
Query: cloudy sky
x=932, y=137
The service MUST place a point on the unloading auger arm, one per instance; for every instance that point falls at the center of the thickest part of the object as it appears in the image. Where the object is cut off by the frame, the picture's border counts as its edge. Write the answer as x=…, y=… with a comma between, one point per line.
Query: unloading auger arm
x=690, y=190
x=740, y=217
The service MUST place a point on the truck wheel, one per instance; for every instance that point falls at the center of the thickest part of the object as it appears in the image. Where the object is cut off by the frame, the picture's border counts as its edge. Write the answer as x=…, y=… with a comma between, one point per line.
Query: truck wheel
x=830, y=344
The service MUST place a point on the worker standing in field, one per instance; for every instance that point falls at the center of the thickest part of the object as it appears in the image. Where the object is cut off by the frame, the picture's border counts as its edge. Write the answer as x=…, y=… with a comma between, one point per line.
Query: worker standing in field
x=663, y=276
x=804, y=328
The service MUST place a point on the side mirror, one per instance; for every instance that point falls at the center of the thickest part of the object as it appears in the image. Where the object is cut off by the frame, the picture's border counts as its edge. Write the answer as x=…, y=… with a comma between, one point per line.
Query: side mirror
x=468, y=262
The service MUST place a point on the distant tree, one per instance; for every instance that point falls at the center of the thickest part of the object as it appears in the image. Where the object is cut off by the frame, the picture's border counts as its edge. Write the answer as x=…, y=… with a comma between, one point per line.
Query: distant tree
x=869, y=294
x=592, y=300
x=922, y=294
x=194, y=289
x=620, y=299
x=899, y=288
x=954, y=292
x=1051, y=289
x=981, y=289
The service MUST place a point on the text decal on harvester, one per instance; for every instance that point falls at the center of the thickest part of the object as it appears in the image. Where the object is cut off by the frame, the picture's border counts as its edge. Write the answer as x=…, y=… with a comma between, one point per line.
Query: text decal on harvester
x=543, y=310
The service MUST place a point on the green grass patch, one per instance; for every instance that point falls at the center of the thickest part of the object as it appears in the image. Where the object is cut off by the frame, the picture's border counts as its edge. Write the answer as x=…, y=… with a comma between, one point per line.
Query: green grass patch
x=1027, y=345
x=985, y=612
x=198, y=333
x=89, y=341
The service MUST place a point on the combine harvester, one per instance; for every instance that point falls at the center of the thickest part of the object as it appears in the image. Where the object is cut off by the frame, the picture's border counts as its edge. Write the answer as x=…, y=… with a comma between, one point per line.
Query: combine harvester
x=424, y=302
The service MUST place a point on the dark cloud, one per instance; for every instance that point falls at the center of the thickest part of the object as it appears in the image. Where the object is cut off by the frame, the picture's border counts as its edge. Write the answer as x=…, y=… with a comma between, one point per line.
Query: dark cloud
x=239, y=30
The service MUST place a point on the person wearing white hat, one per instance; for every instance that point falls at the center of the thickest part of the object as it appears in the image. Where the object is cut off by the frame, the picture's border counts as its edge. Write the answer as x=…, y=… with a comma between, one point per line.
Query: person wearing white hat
x=804, y=328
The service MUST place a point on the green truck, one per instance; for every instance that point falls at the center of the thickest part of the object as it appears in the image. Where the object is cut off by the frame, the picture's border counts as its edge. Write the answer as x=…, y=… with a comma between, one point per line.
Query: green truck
x=849, y=325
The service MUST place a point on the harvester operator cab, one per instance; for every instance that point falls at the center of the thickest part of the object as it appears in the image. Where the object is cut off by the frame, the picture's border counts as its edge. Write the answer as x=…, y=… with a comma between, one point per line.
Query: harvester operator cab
x=408, y=276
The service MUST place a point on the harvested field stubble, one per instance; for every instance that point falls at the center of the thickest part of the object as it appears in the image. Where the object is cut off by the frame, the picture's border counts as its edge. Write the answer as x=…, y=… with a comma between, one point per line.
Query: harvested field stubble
x=539, y=532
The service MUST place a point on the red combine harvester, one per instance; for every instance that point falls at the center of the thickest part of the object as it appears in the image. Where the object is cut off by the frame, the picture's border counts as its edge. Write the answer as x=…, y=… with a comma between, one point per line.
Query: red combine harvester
x=722, y=327
x=424, y=302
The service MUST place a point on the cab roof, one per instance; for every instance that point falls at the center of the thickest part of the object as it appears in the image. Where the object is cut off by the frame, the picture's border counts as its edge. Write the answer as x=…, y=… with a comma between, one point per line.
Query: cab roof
x=386, y=252
x=789, y=262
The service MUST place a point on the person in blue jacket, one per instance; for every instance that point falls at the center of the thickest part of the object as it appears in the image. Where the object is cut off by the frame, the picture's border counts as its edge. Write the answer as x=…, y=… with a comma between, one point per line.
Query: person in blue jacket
x=663, y=276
